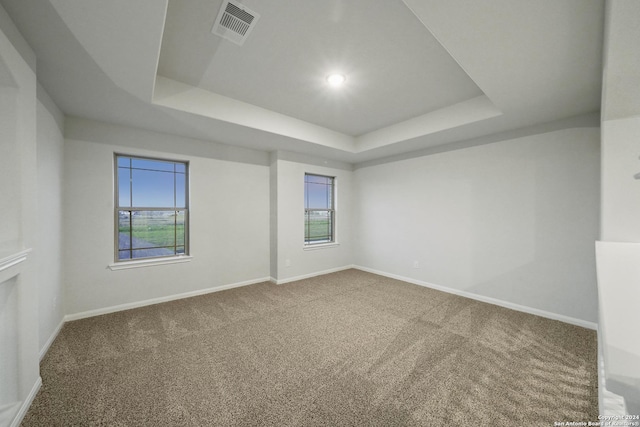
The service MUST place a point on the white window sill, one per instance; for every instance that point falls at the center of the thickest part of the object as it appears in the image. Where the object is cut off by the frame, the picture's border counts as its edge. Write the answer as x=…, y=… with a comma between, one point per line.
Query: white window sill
x=320, y=246
x=124, y=265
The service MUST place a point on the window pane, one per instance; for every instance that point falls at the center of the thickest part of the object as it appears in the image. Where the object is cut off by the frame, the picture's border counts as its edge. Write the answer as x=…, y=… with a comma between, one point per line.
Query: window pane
x=124, y=162
x=160, y=186
x=124, y=231
x=124, y=193
x=318, y=227
x=317, y=179
x=156, y=165
x=318, y=196
x=152, y=229
x=154, y=252
x=180, y=231
x=152, y=189
x=181, y=199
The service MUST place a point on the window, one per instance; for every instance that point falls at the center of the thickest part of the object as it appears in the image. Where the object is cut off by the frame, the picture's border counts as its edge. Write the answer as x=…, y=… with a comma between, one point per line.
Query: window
x=151, y=208
x=319, y=209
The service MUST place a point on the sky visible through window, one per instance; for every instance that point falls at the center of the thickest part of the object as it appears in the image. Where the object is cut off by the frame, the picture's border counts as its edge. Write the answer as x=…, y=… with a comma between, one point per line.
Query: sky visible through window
x=318, y=204
x=151, y=211
x=317, y=192
x=151, y=183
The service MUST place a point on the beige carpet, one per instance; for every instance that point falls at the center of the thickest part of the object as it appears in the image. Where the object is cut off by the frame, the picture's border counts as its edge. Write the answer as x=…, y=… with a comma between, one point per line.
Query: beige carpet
x=349, y=348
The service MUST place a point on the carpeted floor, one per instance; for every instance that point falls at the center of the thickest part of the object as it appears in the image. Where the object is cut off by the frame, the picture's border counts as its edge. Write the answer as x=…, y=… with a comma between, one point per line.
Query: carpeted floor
x=348, y=348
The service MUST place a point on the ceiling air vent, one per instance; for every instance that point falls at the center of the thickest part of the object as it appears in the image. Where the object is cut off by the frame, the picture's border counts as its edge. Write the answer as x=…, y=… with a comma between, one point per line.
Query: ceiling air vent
x=234, y=22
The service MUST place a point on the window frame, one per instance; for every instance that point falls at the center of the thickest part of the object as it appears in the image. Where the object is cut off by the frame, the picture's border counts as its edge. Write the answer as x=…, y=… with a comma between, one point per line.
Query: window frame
x=161, y=259
x=331, y=212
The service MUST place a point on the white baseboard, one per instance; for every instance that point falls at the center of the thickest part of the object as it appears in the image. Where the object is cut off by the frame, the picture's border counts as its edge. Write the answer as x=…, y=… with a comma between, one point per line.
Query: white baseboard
x=609, y=403
x=490, y=300
x=307, y=276
x=128, y=306
x=26, y=403
x=43, y=350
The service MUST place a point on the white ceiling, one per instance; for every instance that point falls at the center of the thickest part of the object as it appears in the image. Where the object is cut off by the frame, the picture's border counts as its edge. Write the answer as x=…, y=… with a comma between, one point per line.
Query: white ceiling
x=395, y=68
x=525, y=63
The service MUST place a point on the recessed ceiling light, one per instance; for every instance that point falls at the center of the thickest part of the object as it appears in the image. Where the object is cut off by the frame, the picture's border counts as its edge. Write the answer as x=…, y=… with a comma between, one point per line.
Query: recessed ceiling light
x=336, y=79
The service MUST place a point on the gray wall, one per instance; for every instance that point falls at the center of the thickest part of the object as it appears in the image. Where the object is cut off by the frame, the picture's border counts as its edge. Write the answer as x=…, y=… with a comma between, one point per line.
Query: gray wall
x=50, y=142
x=621, y=124
x=619, y=252
x=514, y=220
x=229, y=217
x=293, y=259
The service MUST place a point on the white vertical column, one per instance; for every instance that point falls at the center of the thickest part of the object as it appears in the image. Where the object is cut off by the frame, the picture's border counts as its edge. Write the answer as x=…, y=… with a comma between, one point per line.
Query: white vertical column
x=19, y=367
x=618, y=255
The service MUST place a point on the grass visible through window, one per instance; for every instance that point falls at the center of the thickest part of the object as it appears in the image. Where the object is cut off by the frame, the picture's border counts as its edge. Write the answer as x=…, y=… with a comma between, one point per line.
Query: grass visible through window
x=319, y=209
x=152, y=208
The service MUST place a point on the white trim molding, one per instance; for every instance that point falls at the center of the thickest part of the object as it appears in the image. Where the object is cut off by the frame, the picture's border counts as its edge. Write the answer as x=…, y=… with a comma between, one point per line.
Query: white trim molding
x=12, y=260
x=52, y=338
x=307, y=276
x=130, y=305
x=320, y=246
x=608, y=403
x=27, y=403
x=490, y=300
x=125, y=265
